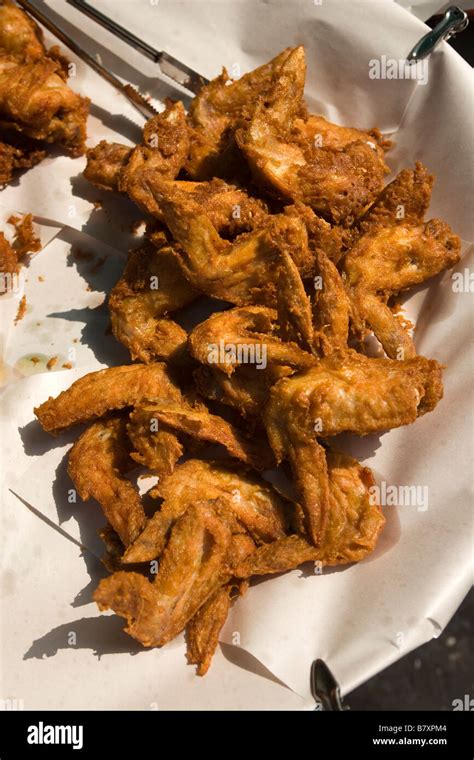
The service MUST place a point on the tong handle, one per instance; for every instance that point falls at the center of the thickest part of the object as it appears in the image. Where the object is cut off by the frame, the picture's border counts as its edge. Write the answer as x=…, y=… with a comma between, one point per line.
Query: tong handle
x=116, y=29
x=454, y=20
x=325, y=688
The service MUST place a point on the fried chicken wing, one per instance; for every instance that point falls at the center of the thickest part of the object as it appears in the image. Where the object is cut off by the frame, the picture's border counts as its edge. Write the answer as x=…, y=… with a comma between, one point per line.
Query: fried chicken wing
x=202, y=632
x=405, y=200
x=99, y=392
x=96, y=465
x=245, y=390
x=151, y=287
x=338, y=182
x=218, y=110
x=390, y=260
x=262, y=512
x=201, y=425
x=354, y=524
x=192, y=567
x=348, y=392
x=105, y=163
x=236, y=271
x=35, y=100
x=246, y=335
x=19, y=34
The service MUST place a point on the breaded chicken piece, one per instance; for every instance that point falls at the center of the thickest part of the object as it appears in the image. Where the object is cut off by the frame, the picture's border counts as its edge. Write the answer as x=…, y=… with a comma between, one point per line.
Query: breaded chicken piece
x=348, y=392
x=390, y=260
x=36, y=101
x=215, y=113
x=96, y=465
x=236, y=271
x=151, y=287
x=345, y=392
x=245, y=390
x=337, y=182
x=164, y=149
x=245, y=335
x=19, y=34
x=331, y=307
x=17, y=153
x=405, y=200
x=99, y=392
x=201, y=425
x=202, y=631
x=262, y=512
x=105, y=163
x=193, y=566
x=355, y=522
x=316, y=129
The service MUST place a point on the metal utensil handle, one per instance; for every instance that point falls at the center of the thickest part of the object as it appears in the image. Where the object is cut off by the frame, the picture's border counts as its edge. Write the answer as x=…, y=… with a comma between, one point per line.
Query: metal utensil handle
x=454, y=20
x=133, y=95
x=116, y=29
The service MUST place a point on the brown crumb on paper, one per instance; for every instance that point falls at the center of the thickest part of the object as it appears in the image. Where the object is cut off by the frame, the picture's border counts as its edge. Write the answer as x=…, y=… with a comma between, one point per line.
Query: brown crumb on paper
x=26, y=239
x=50, y=364
x=21, y=309
x=66, y=365
x=34, y=360
x=40, y=278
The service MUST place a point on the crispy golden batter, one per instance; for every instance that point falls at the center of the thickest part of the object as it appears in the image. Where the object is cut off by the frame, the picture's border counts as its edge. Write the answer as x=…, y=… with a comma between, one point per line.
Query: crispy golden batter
x=405, y=200
x=17, y=153
x=193, y=566
x=96, y=464
x=105, y=163
x=19, y=34
x=390, y=260
x=338, y=182
x=262, y=512
x=236, y=271
x=245, y=335
x=202, y=426
x=355, y=521
x=99, y=392
x=35, y=100
x=152, y=286
x=305, y=268
x=245, y=390
x=202, y=631
x=219, y=108
x=8, y=264
x=348, y=392
x=331, y=307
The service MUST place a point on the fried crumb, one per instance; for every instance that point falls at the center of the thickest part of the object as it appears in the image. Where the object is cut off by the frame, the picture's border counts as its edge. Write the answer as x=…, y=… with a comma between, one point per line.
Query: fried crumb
x=25, y=240
x=34, y=360
x=98, y=205
x=21, y=309
x=66, y=365
x=40, y=278
x=50, y=364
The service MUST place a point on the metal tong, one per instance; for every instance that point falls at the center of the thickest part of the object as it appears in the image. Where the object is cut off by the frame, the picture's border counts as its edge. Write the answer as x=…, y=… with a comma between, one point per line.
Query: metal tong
x=454, y=21
x=324, y=688
x=171, y=67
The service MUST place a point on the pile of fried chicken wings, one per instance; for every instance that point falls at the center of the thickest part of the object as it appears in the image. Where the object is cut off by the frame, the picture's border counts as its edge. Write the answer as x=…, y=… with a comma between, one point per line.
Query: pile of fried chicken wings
x=280, y=222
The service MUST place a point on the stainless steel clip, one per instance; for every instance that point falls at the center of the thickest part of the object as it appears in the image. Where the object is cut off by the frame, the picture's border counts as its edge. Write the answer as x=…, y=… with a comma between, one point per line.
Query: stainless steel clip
x=455, y=20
